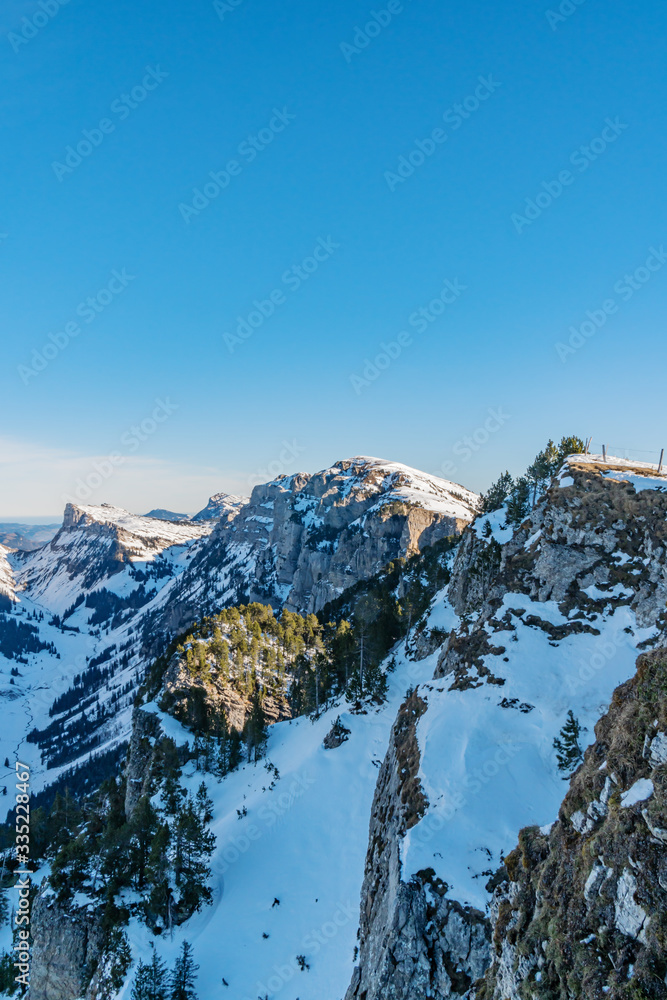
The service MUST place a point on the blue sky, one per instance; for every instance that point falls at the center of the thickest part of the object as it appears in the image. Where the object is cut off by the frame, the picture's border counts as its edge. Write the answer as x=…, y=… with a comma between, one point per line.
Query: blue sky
x=329, y=126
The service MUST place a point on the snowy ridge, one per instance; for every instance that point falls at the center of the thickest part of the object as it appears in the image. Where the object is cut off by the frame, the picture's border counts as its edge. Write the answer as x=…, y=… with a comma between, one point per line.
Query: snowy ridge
x=96, y=545
x=221, y=505
x=402, y=483
x=154, y=532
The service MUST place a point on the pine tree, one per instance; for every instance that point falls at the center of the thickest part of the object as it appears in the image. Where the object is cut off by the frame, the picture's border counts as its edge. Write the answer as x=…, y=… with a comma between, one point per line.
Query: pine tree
x=184, y=973
x=193, y=843
x=157, y=978
x=157, y=875
x=140, y=986
x=542, y=469
x=143, y=827
x=497, y=494
x=518, y=505
x=567, y=746
x=570, y=446
x=204, y=804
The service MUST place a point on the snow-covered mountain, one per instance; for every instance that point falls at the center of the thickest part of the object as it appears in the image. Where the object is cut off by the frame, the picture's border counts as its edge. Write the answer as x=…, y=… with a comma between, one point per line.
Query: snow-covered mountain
x=105, y=595
x=535, y=623
x=167, y=515
x=221, y=505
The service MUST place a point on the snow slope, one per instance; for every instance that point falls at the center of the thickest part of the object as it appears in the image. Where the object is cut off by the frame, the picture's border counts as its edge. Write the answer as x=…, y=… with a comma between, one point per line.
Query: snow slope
x=304, y=843
x=497, y=741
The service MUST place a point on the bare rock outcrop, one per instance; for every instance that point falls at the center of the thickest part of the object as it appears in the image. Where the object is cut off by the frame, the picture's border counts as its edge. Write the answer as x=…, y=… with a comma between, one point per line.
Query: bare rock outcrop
x=67, y=944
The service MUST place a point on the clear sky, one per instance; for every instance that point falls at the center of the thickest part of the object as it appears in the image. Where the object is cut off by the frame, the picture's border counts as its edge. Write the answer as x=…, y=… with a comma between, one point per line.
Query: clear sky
x=340, y=211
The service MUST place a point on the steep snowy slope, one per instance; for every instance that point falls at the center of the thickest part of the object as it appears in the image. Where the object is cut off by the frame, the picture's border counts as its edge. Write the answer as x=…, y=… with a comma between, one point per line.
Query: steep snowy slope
x=581, y=905
x=94, y=545
x=551, y=622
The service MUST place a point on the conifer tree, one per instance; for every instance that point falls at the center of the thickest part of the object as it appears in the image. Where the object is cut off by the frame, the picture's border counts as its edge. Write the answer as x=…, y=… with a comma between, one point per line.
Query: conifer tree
x=193, y=843
x=150, y=981
x=518, y=504
x=158, y=873
x=497, y=493
x=204, y=804
x=183, y=976
x=567, y=746
x=143, y=829
x=570, y=446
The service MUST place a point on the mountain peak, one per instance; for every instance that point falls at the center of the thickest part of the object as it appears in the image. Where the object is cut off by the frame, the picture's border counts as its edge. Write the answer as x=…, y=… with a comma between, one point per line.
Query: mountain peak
x=221, y=505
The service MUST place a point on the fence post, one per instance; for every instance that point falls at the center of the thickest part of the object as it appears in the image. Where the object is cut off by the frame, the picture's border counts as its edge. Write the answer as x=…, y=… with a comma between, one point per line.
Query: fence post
x=662, y=455
x=604, y=452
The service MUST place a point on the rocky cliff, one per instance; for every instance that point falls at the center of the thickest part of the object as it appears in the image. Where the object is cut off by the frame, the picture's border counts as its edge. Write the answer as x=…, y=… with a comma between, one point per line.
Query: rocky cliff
x=302, y=540
x=549, y=618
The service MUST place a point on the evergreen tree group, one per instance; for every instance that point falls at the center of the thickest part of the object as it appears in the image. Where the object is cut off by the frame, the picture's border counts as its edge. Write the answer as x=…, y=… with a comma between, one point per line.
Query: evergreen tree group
x=520, y=495
x=152, y=981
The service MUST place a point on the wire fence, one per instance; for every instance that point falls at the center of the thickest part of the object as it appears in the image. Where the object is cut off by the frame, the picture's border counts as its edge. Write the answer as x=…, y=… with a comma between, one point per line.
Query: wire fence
x=609, y=452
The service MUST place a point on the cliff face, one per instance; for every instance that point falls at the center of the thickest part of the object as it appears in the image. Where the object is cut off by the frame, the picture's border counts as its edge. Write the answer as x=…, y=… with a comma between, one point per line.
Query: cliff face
x=582, y=907
x=302, y=540
x=67, y=943
x=547, y=619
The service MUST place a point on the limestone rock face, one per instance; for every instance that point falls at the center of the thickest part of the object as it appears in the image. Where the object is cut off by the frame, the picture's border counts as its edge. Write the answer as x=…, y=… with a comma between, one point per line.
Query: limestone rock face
x=304, y=539
x=67, y=945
